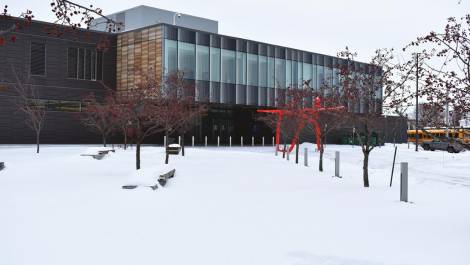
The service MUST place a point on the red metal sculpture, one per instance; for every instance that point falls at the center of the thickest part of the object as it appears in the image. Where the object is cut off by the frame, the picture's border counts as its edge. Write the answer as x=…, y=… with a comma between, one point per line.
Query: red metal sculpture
x=305, y=115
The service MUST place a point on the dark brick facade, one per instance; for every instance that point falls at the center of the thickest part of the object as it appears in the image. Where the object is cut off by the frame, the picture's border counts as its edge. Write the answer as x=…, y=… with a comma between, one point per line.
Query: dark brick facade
x=60, y=127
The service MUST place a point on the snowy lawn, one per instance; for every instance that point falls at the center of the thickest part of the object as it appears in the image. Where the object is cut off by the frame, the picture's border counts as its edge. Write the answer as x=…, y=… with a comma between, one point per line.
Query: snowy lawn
x=231, y=206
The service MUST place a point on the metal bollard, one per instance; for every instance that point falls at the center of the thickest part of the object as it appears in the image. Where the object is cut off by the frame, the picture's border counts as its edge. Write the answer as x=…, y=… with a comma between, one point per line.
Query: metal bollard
x=306, y=157
x=287, y=154
x=404, y=182
x=241, y=141
x=262, y=141
x=218, y=141
x=179, y=140
x=206, y=141
x=275, y=150
x=230, y=141
x=164, y=140
x=337, y=164
x=273, y=140
x=252, y=141
x=192, y=140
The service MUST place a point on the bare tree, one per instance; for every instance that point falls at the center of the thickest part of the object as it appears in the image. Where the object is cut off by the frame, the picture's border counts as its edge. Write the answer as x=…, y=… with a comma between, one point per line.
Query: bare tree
x=141, y=106
x=29, y=103
x=100, y=116
x=444, y=65
x=365, y=89
x=177, y=108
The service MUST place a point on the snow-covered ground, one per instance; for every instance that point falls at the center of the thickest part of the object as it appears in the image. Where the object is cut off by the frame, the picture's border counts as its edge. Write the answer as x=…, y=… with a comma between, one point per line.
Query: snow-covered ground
x=231, y=206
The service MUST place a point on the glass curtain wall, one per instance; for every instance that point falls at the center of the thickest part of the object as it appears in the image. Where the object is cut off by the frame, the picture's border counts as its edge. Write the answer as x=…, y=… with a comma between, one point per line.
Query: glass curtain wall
x=228, y=67
x=241, y=68
x=187, y=59
x=171, y=55
x=251, y=78
x=202, y=63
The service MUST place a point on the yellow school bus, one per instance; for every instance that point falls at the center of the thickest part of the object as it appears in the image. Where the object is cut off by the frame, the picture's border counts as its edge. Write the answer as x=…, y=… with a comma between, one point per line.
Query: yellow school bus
x=462, y=135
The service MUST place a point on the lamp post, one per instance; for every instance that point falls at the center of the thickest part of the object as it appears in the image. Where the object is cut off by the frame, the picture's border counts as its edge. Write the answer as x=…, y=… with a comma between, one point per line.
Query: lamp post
x=174, y=18
x=416, y=114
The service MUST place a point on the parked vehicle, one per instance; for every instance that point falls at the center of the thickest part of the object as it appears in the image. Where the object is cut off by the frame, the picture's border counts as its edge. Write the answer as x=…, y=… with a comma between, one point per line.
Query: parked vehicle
x=451, y=147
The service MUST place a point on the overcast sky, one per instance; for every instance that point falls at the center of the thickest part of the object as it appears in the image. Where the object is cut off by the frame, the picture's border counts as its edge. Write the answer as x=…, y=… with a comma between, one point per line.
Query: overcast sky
x=325, y=26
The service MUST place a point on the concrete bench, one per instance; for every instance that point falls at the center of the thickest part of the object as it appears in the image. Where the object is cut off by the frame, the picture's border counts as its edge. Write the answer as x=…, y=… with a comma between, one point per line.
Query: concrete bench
x=105, y=152
x=97, y=157
x=163, y=179
x=173, y=149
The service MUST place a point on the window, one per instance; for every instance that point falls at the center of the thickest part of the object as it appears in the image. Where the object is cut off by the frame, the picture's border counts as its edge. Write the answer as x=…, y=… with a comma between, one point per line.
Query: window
x=300, y=72
x=241, y=68
x=57, y=105
x=99, y=65
x=314, y=82
x=307, y=73
x=263, y=71
x=271, y=76
x=280, y=72
x=288, y=73
x=187, y=59
x=38, y=59
x=252, y=68
x=88, y=64
x=170, y=56
x=215, y=64
x=320, y=76
x=228, y=66
x=81, y=64
x=84, y=64
x=72, y=60
x=202, y=63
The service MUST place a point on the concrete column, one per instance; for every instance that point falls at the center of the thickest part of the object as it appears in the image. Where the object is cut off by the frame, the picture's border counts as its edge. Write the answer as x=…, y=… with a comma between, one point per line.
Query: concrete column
x=179, y=140
x=192, y=140
x=404, y=182
x=218, y=141
x=273, y=141
x=262, y=141
x=164, y=140
x=337, y=164
x=206, y=141
x=241, y=141
x=306, y=157
x=230, y=141
x=252, y=141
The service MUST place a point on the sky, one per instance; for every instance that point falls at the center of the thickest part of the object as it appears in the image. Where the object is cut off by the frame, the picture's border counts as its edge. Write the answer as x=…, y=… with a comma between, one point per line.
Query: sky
x=318, y=26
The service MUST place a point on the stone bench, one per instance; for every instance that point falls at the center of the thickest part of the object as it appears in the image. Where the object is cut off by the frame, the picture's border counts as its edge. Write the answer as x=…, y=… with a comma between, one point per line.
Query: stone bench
x=173, y=149
x=162, y=179
x=97, y=157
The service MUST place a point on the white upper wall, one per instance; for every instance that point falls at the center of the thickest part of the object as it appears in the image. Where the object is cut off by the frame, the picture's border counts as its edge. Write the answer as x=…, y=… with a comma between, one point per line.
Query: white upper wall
x=143, y=16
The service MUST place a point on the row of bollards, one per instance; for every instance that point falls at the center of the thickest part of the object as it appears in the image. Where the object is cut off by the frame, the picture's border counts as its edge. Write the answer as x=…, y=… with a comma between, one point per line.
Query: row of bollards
x=403, y=168
x=218, y=141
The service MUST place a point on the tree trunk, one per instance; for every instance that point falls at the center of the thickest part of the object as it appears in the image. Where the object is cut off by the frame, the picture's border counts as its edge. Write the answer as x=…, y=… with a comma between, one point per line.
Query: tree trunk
x=297, y=153
x=320, y=161
x=137, y=156
x=365, y=169
x=37, y=141
x=125, y=139
x=167, y=138
x=284, y=153
x=182, y=144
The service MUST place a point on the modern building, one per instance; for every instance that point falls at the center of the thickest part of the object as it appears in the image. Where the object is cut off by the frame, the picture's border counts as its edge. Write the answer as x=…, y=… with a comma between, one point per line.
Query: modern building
x=234, y=76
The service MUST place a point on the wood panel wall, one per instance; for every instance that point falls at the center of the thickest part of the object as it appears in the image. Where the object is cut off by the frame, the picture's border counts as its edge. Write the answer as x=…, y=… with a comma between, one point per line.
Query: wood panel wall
x=139, y=57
